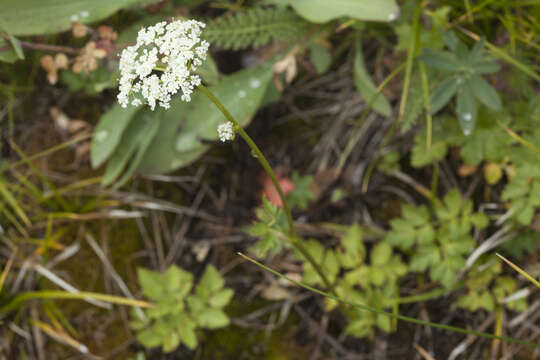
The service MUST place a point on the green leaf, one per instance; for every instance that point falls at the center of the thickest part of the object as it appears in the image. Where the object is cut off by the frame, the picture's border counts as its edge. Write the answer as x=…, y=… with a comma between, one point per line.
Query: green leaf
x=188, y=336
x=485, y=93
x=177, y=281
x=384, y=322
x=151, y=284
x=302, y=193
x=321, y=11
x=182, y=135
x=381, y=254
x=210, y=282
x=8, y=54
x=37, y=17
x=365, y=85
x=109, y=131
x=171, y=342
x=466, y=109
x=212, y=318
x=221, y=298
x=441, y=60
x=135, y=140
x=443, y=93
x=320, y=57
x=354, y=252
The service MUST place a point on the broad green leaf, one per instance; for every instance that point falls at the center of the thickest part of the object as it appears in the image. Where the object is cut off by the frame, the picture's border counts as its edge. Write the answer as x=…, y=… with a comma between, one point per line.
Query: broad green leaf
x=466, y=109
x=384, y=322
x=130, y=151
x=441, y=60
x=365, y=85
x=321, y=11
x=184, y=127
x=443, y=93
x=109, y=131
x=485, y=92
x=177, y=281
x=320, y=57
x=37, y=17
x=149, y=338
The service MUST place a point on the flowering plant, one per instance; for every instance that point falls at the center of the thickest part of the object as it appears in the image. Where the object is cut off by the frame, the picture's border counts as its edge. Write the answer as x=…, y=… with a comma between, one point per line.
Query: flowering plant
x=175, y=49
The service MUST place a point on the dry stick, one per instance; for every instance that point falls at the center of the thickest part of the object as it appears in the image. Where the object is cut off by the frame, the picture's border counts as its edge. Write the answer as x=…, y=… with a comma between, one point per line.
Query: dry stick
x=268, y=169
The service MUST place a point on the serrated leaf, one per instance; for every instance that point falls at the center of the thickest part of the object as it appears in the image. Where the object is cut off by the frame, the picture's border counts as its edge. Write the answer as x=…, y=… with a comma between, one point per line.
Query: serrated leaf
x=151, y=284
x=210, y=282
x=365, y=85
x=466, y=109
x=221, y=298
x=171, y=342
x=443, y=93
x=485, y=93
x=212, y=318
x=321, y=11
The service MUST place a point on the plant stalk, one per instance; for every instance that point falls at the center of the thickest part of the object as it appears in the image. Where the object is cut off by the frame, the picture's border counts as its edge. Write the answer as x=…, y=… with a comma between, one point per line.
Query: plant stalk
x=268, y=169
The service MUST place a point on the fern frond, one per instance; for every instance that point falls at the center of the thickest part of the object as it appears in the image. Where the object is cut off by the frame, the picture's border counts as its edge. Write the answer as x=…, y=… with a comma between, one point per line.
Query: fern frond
x=255, y=28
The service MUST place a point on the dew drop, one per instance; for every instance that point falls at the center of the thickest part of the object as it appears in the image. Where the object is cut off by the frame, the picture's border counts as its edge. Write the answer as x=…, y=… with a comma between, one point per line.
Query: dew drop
x=467, y=117
x=392, y=16
x=254, y=83
x=101, y=135
x=241, y=94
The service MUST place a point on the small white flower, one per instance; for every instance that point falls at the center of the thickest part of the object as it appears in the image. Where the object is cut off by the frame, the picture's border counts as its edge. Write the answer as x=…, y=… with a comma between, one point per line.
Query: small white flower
x=175, y=50
x=225, y=131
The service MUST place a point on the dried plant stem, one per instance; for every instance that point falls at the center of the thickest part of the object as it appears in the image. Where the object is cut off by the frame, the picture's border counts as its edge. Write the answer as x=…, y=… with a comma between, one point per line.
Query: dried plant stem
x=268, y=169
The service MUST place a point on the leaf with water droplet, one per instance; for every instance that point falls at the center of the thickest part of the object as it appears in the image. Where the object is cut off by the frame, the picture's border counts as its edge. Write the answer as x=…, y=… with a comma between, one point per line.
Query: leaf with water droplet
x=466, y=109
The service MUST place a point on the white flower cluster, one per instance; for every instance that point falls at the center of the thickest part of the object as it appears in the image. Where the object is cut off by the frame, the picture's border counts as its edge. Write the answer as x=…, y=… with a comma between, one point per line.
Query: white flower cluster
x=225, y=131
x=174, y=49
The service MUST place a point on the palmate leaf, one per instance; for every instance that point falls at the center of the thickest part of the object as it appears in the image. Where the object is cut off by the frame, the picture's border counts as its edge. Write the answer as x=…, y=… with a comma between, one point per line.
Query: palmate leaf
x=441, y=60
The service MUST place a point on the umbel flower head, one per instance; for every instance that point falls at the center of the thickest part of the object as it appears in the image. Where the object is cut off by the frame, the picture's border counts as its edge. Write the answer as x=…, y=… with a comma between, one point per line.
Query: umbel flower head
x=162, y=63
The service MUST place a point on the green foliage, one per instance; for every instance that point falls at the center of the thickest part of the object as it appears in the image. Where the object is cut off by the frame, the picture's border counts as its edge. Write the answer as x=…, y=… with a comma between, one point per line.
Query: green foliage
x=374, y=283
x=37, y=17
x=91, y=83
x=321, y=11
x=303, y=191
x=270, y=227
x=365, y=85
x=439, y=244
x=486, y=289
x=465, y=82
x=176, y=137
x=521, y=244
x=179, y=308
x=255, y=28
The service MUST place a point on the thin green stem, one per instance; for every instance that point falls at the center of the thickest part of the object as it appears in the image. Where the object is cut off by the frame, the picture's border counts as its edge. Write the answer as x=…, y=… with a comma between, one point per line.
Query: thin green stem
x=430, y=295
x=268, y=169
x=392, y=315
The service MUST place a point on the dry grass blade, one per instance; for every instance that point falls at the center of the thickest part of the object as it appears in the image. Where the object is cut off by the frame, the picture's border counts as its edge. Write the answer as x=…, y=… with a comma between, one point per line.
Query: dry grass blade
x=519, y=270
x=61, y=336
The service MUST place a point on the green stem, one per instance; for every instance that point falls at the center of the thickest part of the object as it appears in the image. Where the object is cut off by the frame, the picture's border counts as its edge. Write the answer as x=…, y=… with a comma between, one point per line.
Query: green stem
x=392, y=315
x=268, y=169
x=430, y=295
